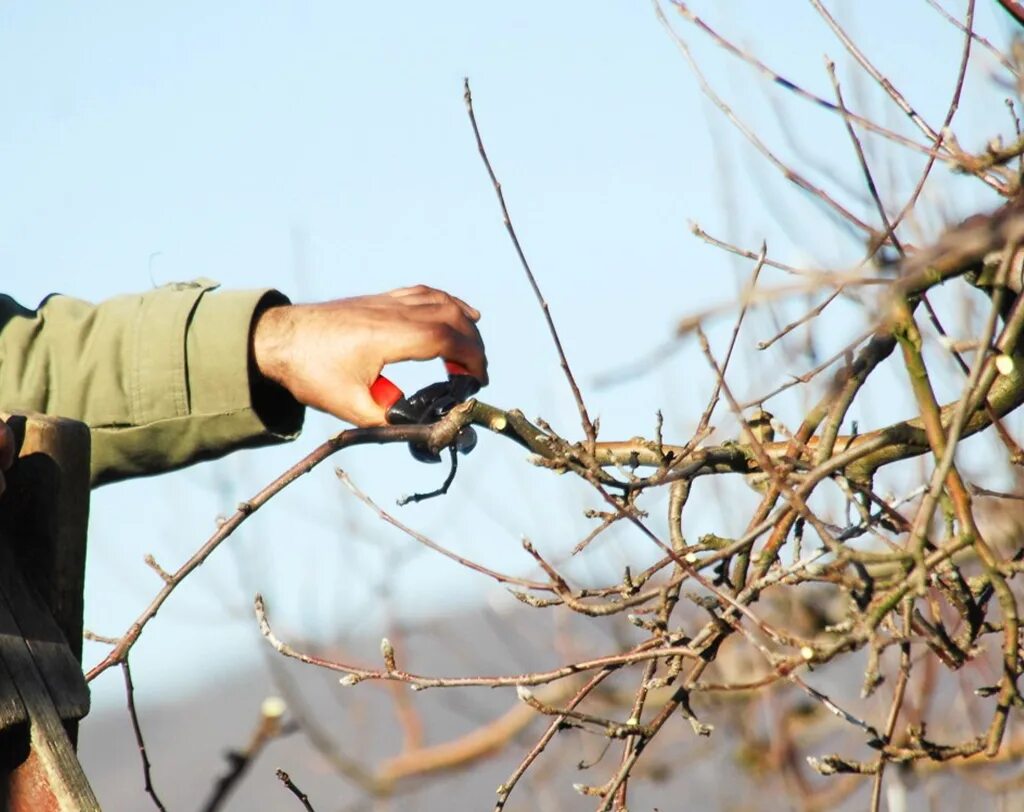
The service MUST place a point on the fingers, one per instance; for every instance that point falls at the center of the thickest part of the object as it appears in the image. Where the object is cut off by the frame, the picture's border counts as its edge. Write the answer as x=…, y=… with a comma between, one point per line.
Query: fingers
x=423, y=295
x=468, y=349
x=446, y=328
x=436, y=337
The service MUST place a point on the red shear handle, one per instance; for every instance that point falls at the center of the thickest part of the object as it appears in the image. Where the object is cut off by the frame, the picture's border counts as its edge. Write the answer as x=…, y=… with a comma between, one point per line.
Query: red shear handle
x=386, y=394
x=455, y=368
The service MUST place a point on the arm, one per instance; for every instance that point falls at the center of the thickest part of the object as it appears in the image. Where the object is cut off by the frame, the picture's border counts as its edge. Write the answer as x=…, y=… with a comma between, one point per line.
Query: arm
x=161, y=378
x=184, y=373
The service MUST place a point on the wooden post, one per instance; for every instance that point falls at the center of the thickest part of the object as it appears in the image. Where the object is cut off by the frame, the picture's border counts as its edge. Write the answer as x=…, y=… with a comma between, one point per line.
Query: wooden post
x=43, y=522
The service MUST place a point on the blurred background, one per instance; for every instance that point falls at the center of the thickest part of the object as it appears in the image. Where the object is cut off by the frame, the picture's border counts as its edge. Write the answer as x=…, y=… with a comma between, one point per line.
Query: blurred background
x=324, y=149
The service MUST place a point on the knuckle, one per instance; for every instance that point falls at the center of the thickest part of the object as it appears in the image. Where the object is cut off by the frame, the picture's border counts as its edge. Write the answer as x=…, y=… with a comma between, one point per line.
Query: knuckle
x=451, y=311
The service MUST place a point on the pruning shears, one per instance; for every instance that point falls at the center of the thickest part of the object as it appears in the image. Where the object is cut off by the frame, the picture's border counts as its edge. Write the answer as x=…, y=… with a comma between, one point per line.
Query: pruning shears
x=428, y=405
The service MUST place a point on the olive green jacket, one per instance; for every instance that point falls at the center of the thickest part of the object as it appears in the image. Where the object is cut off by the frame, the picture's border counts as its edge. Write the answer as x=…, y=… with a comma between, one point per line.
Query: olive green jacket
x=163, y=378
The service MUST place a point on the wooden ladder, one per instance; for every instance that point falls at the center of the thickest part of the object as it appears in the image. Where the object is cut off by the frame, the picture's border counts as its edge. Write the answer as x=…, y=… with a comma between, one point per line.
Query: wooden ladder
x=43, y=519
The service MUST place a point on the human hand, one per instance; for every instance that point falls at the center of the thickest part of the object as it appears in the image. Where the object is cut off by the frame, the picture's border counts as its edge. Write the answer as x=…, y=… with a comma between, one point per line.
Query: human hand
x=328, y=355
x=6, y=452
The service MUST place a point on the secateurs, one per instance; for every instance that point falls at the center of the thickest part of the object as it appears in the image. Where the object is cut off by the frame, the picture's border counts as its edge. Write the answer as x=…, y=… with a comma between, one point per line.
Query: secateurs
x=428, y=405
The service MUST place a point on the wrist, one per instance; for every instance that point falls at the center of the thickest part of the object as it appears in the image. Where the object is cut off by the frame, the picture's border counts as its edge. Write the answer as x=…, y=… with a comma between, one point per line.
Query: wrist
x=271, y=398
x=271, y=338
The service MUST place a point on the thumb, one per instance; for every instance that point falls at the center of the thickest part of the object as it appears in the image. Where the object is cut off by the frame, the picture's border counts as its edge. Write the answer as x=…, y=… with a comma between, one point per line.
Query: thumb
x=357, y=406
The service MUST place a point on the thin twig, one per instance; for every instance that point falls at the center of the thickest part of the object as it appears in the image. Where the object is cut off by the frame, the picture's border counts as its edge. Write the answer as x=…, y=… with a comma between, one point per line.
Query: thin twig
x=898, y=695
x=285, y=779
x=354, y=673
x=890, y=234
x=1014, y=8
x=874, y=73
x=386, y=434
x=788, y=172
x=133, y=714
x=983, y=41
x=239, y=761
x=588, y=425
x=501, y=578
x=453, y=469
x=750, y=287
x=788, y=84
x=505, y=789
x=810, y=315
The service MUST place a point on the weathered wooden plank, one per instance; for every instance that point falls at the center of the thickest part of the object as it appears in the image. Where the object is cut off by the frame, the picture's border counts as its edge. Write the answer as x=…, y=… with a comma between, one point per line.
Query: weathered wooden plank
x=14, y=731
x=51, y=779
x=60, y=669
x=46, y=511
x=43, y=522
x=12, y=709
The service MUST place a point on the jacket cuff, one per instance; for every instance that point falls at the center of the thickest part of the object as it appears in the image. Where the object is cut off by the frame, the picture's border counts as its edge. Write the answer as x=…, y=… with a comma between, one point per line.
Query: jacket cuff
x=195, y=393
x=222, y=378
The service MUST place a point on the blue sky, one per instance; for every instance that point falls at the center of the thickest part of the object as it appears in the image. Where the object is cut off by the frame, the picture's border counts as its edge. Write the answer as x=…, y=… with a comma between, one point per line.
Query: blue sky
x=323, y=149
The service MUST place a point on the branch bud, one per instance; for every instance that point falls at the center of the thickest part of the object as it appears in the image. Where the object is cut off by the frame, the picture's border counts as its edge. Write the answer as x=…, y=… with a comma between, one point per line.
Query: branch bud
x=388, y=651
x=273, y=708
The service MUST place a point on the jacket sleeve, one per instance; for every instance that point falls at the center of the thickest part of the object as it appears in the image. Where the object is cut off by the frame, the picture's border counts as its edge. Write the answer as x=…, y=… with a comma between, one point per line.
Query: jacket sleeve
x=163, y=379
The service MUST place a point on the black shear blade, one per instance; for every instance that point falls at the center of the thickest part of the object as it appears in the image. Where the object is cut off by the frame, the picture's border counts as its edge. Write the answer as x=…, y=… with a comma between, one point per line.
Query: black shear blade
x=430, y=404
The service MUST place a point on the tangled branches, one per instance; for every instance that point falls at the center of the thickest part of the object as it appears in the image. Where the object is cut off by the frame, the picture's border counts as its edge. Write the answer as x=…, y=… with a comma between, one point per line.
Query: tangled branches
x=836, y=571
x=961, y=581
